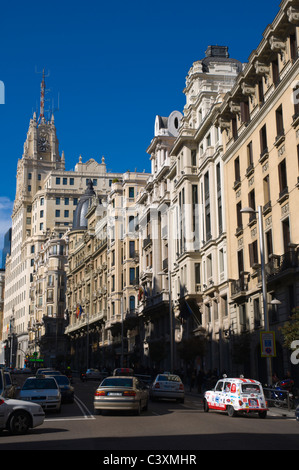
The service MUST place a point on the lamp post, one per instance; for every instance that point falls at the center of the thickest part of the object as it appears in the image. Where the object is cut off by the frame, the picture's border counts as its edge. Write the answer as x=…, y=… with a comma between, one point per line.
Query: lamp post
x=249, y=210
x=170, y=318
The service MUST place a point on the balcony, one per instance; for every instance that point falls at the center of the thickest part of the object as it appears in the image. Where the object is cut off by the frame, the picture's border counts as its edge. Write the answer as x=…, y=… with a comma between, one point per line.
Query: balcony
x=239, y=287
x=284, y=265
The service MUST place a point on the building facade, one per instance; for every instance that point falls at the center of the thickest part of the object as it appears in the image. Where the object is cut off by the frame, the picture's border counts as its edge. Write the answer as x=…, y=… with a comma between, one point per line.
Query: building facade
x=259, y=124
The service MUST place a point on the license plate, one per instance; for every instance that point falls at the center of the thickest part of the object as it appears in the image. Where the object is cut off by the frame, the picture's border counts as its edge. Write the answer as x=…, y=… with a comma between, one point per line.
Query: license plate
x=253, y=402
x=114, y=394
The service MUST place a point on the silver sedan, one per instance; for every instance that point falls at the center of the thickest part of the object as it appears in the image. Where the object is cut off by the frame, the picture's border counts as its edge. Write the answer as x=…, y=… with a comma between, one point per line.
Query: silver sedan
x=121, y=393
x=18, y=417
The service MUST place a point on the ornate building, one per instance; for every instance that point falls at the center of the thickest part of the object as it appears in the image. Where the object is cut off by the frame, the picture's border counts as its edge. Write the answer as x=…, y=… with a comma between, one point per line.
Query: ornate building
x=259, y=124
x=45, y=201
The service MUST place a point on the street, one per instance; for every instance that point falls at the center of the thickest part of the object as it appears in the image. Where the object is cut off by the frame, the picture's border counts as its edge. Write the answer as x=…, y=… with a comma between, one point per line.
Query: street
x=165, y=426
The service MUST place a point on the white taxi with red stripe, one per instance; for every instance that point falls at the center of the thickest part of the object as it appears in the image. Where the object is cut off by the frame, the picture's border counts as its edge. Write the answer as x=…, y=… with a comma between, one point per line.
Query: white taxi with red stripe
x=236, y=395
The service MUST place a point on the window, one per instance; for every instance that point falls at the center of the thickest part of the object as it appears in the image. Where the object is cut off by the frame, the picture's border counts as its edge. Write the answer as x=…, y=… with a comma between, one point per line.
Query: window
x=29, y=176
x=245, y=116
x=66, y=213
x=253, y=253
x=269, y=244
x=131, y=249
x=263, y=140
x=251, y=202
x=219, y=386
x=132, y=275
x=193, y=157
x=282, y=173
x=64, y=181
x=286, y=234
x=266, y=190
x=72, y=181
x=239, y=216
x=132, y=303
x=41, y=214
x=279, y=122
x=257, y=313
x=131, y=192
x=57, y=201
x=57, y=213
x=237, y=170
x=249, y=155
x=66, y=201
x=197, y=272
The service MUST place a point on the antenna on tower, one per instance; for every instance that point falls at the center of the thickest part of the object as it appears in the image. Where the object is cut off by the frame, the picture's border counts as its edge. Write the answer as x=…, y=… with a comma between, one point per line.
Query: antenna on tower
x=42, y=94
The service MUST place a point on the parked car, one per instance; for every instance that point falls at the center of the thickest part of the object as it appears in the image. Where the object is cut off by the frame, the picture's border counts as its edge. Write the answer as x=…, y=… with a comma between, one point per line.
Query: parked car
x=121, y=393
x=42, y=390
x=7, y=387
x=66, y=389
x=18, y=416
x=236, y=396
x=41, y=372
x=168, y=386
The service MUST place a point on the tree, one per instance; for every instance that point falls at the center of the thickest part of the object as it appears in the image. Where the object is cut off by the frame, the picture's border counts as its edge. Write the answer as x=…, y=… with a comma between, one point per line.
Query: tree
x=290, y=330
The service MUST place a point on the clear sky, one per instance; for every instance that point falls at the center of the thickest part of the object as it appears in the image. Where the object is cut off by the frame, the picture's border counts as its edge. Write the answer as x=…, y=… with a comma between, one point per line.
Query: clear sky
x=114, y=65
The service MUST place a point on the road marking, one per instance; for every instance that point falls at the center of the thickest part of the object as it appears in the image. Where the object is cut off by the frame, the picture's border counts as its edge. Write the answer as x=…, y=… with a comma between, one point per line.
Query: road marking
x=84, y=410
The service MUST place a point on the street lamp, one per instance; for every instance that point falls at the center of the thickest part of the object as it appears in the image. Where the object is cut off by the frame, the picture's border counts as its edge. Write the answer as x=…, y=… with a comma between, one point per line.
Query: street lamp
x=249, y=210
x=170, y=317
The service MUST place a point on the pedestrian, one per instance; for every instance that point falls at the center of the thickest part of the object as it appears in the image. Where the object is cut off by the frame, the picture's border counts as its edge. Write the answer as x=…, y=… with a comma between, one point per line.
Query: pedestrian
x=200, y=378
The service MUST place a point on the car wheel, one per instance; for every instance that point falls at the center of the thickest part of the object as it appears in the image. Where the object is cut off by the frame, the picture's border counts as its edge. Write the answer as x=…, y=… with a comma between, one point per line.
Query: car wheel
x=231, y=412
x=205, y=405
x=262, y=414
x=19, y=422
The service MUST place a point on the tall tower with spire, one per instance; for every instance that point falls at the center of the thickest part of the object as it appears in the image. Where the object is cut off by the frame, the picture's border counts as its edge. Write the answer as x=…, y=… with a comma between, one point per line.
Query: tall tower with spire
x=40, y=158
x=45, y=201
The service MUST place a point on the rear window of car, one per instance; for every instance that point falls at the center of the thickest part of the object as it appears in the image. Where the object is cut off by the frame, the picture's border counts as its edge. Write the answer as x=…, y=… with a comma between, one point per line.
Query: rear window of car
x=117, y=382
x=250, y=388
x=39, y=384
x=168, y=378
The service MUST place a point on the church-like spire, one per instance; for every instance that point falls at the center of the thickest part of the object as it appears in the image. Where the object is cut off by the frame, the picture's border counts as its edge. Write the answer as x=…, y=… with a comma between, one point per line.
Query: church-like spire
x=42, y=97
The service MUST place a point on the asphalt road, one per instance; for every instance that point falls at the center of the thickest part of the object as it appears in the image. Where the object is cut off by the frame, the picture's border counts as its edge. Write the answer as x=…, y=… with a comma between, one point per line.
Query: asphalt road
x=165, y=426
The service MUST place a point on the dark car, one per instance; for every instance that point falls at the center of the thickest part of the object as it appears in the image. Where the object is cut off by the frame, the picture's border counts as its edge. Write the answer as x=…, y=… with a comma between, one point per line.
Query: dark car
x=66, y=389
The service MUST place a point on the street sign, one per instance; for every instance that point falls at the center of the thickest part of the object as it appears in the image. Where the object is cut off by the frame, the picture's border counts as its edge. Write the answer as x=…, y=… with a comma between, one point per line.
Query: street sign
x=268, y=348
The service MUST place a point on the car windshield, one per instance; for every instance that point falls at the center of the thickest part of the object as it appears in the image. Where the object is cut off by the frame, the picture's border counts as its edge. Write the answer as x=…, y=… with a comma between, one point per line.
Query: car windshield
x=39, y=384
x=168, y=378
x=250, y=388
x=117, y=382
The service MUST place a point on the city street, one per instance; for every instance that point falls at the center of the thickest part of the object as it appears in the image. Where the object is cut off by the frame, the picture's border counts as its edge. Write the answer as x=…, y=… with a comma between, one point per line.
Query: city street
x=165, y=426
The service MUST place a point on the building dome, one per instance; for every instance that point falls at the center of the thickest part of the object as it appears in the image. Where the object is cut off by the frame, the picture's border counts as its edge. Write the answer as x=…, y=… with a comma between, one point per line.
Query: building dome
x=80, y=221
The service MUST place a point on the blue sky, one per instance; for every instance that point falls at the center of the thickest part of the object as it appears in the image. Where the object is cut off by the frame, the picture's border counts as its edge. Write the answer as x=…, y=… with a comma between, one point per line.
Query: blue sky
x=114, y=65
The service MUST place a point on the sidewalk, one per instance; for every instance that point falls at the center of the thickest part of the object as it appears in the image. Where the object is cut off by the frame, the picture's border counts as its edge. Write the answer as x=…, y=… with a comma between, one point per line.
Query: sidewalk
x=273, y=411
